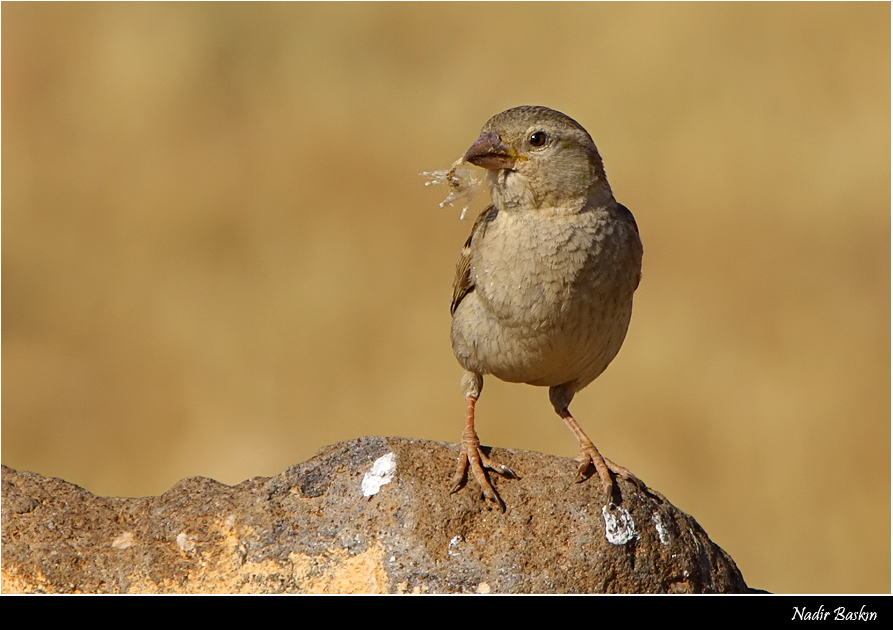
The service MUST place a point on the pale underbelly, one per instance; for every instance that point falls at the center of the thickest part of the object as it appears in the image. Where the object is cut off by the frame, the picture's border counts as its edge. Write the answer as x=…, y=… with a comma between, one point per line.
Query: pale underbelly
x=574, y=348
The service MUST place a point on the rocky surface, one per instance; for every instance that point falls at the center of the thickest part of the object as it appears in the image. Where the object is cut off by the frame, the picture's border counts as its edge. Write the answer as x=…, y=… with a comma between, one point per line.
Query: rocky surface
x=373, y=515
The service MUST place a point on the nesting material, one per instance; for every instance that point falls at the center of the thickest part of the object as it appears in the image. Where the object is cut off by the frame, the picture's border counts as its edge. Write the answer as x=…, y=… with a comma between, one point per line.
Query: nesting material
x=464, y=185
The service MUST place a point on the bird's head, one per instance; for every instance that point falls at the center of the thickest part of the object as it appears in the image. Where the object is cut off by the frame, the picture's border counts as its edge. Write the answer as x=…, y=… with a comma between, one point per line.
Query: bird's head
x=539, y=158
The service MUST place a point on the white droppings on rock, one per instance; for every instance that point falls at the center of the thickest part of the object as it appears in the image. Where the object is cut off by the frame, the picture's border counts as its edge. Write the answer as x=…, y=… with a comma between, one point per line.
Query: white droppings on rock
x=123, y=541
x=695, y=538
x=662, y=532
x=619, y=526
x=381, y=473
x=184, y=543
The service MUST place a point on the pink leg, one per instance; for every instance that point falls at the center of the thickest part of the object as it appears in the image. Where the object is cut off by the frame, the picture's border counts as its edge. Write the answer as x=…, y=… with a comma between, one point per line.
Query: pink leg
x=471, y=457
x=589, y=455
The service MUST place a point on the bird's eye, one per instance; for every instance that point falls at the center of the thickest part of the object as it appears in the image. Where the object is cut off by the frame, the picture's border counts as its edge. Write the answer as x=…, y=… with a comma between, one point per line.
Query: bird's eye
x=538, y=139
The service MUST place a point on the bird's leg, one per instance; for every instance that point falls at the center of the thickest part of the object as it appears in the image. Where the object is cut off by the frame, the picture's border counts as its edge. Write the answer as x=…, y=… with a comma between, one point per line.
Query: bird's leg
x=589, y=455
x=471, y=457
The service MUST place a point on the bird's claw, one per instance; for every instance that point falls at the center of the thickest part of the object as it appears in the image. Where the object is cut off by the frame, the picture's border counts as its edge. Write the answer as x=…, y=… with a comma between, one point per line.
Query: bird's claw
x=625, y=473
x=473, y=460
x=604, y=467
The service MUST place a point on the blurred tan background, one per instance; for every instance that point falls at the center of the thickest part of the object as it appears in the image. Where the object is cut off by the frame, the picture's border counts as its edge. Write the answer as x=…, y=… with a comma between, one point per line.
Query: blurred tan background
x=218, y=255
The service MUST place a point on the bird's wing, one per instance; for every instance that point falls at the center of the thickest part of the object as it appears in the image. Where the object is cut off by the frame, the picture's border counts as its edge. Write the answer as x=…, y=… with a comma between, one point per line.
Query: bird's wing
x=463, y=284
x=628, y=216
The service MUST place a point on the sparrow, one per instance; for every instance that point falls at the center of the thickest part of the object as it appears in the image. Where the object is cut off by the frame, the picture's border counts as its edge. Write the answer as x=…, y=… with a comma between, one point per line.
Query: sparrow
x=543, y=292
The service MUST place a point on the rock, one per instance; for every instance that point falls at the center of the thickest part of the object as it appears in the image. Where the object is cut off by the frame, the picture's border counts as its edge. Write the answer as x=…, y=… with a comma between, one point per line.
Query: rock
x=373, y=515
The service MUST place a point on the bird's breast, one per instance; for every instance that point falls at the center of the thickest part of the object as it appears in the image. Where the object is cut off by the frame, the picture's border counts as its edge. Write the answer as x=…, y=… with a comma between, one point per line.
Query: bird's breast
x=530, y=271
x=552, y=299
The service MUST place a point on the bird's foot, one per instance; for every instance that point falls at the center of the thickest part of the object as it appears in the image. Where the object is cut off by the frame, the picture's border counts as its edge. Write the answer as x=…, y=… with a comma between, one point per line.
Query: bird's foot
x=473, y=460
x=589, y=456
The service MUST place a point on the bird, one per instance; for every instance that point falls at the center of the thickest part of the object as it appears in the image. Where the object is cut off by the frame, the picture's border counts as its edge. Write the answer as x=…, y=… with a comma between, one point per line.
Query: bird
x=543, y=291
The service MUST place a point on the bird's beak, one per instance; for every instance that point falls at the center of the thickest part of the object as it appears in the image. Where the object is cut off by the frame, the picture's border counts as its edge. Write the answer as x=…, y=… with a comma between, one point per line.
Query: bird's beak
x=491, y=153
